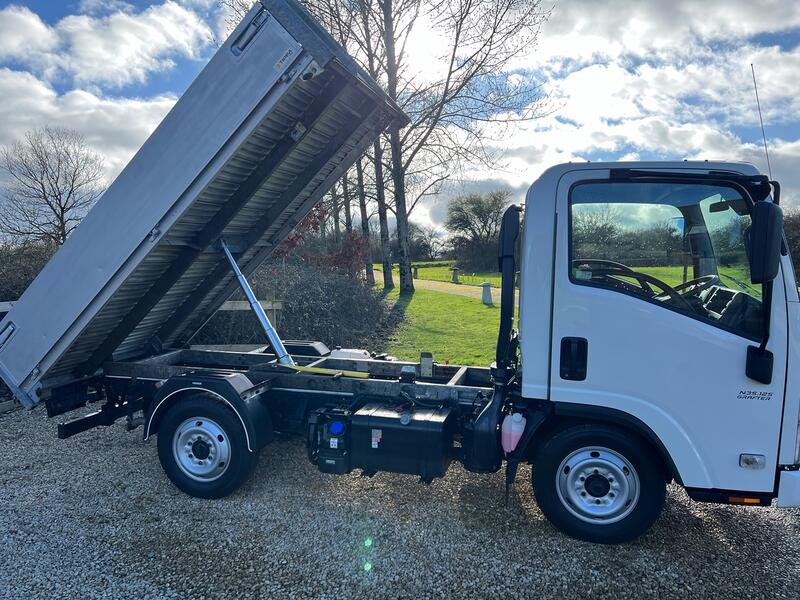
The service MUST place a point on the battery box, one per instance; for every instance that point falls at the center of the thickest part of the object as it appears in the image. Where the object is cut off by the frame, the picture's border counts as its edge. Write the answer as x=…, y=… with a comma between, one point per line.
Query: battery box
x=328, y=440
x=414, y=440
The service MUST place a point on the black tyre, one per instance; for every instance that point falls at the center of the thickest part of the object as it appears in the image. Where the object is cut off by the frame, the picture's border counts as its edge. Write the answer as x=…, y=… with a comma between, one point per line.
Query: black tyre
x=599, y=483
x=202, y=447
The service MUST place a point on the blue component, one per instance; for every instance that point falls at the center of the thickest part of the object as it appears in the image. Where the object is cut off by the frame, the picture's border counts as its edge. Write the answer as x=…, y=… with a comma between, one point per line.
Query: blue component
x=336, y=428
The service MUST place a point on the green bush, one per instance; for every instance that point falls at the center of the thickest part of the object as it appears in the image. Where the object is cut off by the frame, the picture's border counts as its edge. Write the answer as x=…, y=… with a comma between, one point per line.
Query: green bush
x=19, y=266
x=319, y=303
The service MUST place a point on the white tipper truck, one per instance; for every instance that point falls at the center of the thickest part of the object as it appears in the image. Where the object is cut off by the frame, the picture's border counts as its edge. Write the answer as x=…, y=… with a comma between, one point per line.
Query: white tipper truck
x=657, y=337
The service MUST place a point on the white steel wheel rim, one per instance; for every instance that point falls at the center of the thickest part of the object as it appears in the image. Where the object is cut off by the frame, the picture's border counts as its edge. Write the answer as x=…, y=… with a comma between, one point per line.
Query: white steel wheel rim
x=201, y=449
x=597, y=485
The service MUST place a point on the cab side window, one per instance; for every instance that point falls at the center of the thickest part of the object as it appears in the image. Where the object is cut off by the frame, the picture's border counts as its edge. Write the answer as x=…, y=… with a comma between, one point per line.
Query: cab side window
x=681, y=245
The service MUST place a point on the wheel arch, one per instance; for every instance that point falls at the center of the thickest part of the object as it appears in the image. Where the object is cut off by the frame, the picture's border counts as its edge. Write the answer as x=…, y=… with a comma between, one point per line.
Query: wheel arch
x=253, y=415
x=566, y=414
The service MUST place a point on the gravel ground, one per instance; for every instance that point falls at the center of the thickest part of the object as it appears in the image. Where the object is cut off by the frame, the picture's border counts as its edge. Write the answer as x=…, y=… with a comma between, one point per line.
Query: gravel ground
x=94, y=516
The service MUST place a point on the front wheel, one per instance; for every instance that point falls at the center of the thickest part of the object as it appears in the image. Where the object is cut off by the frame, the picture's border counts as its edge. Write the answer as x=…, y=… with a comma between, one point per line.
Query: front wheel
x=202, y=447
x=599, y=483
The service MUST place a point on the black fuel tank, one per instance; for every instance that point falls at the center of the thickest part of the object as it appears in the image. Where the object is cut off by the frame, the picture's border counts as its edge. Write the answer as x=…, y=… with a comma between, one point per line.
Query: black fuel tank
x=413, y=440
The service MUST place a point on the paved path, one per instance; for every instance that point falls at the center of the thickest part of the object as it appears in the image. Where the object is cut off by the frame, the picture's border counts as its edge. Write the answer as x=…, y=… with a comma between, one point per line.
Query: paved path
x=470, y=291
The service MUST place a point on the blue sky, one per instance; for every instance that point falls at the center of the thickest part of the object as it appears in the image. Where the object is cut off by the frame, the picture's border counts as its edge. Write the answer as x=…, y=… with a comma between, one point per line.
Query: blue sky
x=173, y=80
x=628, y=80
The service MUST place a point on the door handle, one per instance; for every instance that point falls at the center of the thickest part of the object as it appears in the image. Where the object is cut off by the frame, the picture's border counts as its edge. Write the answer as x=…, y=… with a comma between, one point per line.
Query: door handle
x=249, y=33
x=574, y=354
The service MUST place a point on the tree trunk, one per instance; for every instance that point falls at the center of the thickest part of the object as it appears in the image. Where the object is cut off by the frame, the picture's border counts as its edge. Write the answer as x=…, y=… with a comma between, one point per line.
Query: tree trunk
x=404, y=247
x=398, y=176
x=348, y=215
x=362, y=205
x=380, y=196
x=335, y=203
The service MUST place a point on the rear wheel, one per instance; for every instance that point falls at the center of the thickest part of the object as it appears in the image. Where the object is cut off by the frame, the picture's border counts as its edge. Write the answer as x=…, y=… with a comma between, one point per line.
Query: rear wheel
x=599, y=483
x=202, y=447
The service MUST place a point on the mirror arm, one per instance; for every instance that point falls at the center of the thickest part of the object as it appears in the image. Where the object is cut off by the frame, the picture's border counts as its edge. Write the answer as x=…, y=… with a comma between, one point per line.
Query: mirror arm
x=767, y=308
x=760, y=360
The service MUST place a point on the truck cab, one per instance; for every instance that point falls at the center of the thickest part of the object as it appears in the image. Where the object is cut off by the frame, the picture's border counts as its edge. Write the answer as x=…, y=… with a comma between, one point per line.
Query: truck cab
x=641, y=321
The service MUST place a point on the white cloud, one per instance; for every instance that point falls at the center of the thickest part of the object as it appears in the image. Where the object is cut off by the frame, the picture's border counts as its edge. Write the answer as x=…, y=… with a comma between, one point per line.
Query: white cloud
x=632, y=80
x=111, y=50
x=125, y=48
x=114, y=127
x=23, y=33
x=582, y=29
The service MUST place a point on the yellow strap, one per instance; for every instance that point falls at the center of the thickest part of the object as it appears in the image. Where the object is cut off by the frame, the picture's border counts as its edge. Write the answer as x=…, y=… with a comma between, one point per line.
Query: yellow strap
x=330, y=372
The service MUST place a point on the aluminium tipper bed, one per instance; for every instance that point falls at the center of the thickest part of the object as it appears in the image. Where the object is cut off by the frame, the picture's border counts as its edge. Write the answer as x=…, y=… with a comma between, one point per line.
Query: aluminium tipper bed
x=278, y=114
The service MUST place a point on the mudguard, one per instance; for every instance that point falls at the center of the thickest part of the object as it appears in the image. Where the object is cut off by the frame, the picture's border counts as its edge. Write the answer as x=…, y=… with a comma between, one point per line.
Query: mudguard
x=228, y=388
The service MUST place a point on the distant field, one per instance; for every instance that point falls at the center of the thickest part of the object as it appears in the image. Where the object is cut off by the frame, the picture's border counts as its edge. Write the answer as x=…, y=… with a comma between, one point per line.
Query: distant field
x=735, y=277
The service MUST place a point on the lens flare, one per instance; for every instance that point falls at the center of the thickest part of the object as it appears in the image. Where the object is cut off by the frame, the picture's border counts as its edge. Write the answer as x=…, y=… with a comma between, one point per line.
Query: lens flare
x=368, y=542
x=368, y=567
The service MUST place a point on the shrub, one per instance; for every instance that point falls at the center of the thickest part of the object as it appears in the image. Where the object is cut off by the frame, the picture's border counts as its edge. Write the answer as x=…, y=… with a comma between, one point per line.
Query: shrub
x=320, y=303
x=791, y=225
x=19, y=265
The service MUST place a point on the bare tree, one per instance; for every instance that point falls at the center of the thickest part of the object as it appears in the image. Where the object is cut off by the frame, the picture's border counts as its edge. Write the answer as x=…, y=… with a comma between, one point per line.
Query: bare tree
x=466, y=90
x=430, y=238
x=347, y=204
x=236, y=10
x=53, y=180
x=352, y=24
x=362, y=208
x=449, y=111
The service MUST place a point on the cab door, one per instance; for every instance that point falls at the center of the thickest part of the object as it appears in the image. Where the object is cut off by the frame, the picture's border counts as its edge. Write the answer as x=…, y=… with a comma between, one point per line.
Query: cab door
x=625, y=342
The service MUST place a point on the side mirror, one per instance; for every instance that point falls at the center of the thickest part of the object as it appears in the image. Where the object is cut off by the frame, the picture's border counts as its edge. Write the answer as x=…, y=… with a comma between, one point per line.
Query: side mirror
x=766, y=235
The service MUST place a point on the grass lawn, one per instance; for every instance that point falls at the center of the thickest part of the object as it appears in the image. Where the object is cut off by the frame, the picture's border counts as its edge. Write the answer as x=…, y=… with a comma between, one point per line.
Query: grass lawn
x=454, y=328
x=462, y=330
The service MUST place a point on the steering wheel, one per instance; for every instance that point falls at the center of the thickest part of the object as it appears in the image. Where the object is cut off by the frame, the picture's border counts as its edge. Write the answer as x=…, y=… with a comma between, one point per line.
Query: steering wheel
x=642, y=279
x=697, y=284
x=613, y=265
